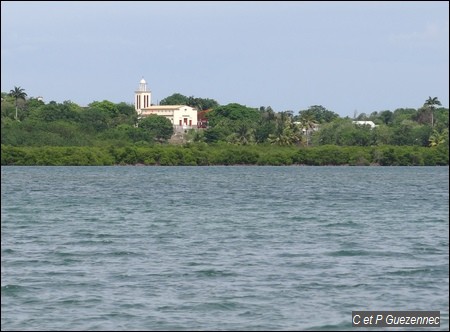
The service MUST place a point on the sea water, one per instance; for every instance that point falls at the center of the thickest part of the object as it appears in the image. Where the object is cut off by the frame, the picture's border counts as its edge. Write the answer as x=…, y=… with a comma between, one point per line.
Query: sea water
x=220, y=248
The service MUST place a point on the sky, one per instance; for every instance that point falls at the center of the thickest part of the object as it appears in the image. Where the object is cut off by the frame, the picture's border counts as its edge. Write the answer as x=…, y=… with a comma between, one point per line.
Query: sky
x=349, y=57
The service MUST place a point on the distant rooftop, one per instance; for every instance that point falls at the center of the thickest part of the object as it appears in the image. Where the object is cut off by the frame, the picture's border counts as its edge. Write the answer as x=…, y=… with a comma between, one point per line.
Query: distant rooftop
x=365, y=123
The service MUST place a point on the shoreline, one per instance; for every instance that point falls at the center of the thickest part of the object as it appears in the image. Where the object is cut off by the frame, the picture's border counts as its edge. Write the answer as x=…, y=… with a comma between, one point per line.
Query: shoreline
x=224, y=155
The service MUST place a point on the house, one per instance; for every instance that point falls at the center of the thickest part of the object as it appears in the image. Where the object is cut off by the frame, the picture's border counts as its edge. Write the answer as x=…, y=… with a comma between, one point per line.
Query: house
x=202, y=120
x=181, y=116
x=365, y=123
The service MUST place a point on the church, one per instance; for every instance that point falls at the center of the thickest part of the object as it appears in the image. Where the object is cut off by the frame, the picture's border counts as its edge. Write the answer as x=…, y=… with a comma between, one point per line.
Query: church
x=181, y=116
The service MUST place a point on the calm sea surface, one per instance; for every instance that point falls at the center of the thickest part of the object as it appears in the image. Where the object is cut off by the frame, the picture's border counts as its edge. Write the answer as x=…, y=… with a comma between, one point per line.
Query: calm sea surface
x=220, y=248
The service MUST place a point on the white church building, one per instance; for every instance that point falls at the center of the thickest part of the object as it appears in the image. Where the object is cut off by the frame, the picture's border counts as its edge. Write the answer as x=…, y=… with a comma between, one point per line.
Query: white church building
x=181, y=116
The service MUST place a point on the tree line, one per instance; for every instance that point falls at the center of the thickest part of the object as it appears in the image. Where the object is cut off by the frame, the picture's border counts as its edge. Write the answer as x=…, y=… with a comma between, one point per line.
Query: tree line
x=202, y=154
x=29, y=122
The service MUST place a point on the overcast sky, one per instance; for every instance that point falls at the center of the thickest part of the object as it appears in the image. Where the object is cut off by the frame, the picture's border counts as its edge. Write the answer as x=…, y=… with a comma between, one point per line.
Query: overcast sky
x=345, y=56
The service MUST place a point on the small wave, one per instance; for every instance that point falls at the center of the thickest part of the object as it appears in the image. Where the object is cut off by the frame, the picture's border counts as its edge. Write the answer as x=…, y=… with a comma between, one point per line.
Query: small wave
x=348, y=223
x=395, y=254
x=194, y=264
x=124, y=253
x=426, y=249
x=12, y=290
x=65, y=302
x=65, y=254
x=412, y=271
x=341, y=253
x=103, y=235
x=205, y=307
x=84, y=234
x=291, y=255
x=214, y=273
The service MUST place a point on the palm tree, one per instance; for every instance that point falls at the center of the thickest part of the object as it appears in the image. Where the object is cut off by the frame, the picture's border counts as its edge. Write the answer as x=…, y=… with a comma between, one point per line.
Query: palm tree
x=307, y=123
x=243, y=134
x=431, y=103
x=286, y=132
x=17, y=93
x=283, y=138
x=438, y=138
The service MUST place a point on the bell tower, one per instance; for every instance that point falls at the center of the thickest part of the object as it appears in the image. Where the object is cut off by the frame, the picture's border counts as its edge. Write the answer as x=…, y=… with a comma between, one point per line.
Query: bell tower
x=142, y=97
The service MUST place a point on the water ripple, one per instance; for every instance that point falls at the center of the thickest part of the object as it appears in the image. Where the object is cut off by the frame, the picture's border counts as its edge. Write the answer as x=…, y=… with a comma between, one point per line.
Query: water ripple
x=220, y=248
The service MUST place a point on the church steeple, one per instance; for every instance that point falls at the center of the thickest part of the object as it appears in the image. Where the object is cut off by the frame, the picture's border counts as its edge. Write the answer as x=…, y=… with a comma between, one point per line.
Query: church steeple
x=143, y=85
x=143, y=97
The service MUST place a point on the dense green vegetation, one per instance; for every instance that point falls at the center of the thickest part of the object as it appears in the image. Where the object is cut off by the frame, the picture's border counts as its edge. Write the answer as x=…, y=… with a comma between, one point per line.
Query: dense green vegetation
x=200, y=104
x=104, y=133
x=201, y=154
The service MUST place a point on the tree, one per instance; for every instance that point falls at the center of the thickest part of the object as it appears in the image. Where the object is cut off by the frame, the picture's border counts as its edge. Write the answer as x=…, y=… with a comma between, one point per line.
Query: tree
x=106, y=106
x=286, y=136
x=307, y=124
x=201, y=104
x=243, y=135
x=441, y=118
x=94, y=120
x=158, y=125
x=228, y=119
x=56, y=112
x=387, y=117
x=401, y=114
x=438, y=138
x=319, y=114
x=431, y=103
x=17, y=93
x=286, y=132
x=174, y=99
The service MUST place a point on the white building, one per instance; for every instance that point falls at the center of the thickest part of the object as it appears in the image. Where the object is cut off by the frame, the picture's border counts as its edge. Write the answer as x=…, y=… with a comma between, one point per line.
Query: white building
x=181, y=116
x=365, y=123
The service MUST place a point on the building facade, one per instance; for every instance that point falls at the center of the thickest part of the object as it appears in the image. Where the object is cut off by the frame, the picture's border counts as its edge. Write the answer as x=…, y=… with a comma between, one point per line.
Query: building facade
x=181, y=116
